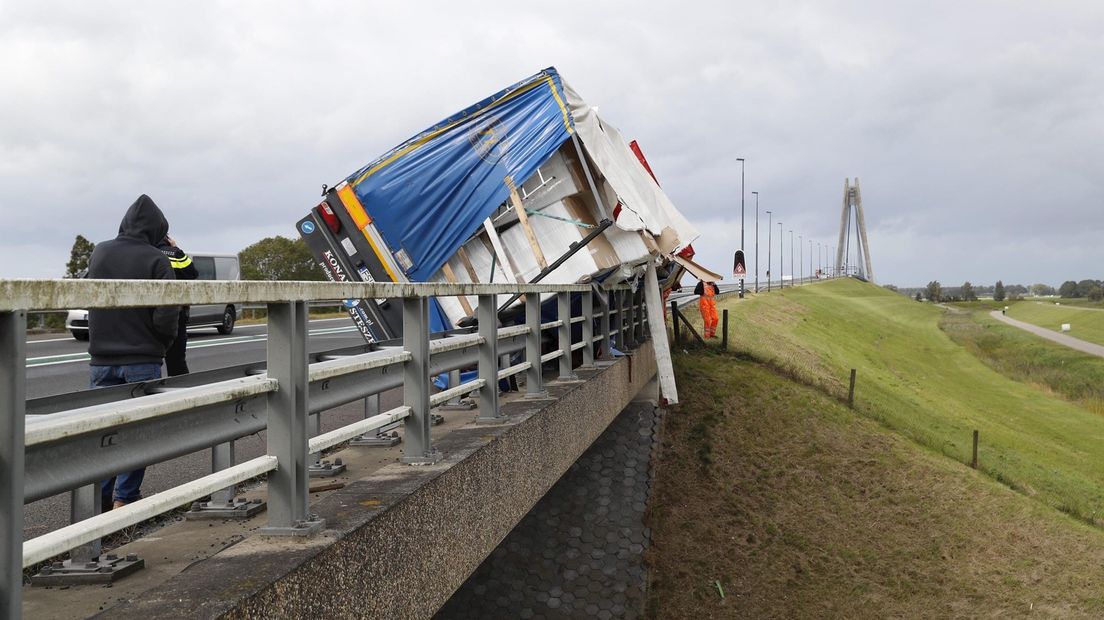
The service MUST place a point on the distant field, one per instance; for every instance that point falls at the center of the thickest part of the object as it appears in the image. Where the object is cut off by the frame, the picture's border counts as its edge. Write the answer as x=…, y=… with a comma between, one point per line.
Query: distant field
x=1086, y=323
x=915, y=380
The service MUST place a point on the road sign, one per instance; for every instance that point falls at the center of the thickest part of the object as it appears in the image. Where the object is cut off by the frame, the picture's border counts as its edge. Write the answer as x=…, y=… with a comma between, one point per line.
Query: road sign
x=739, y=267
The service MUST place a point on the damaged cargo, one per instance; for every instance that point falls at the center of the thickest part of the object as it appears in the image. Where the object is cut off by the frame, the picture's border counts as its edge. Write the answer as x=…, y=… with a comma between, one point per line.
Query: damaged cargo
x=528, y=185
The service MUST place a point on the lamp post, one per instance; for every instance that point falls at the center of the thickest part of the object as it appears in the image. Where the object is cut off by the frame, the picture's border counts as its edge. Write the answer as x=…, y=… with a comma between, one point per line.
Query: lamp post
x=741, y=160
x=791, y=260
x=781, y=260
x=769, y=230
x=800, y=259
x=811, y=273
x=756, y=241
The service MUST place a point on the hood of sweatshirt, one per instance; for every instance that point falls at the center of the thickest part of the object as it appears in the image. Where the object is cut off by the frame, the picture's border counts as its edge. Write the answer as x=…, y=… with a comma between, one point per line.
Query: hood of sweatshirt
x=144, y=221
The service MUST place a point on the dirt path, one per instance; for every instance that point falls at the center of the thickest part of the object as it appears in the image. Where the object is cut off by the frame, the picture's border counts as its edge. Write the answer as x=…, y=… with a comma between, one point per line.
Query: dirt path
x=1069, y=341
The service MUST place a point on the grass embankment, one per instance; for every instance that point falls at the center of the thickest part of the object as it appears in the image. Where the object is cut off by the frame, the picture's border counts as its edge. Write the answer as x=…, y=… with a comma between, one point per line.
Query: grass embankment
x=1085, y=323
x=915, y=380
x=1049, y=366
x=797, y=506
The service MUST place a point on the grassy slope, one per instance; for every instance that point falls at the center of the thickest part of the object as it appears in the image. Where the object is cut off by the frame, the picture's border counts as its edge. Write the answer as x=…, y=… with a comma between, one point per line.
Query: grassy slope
x=1076, y=376
x=800, y=507
x=917, y=381
x=1086, y=323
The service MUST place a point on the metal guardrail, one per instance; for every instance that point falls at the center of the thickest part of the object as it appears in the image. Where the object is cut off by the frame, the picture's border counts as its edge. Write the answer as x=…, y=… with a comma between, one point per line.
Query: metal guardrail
x=74, y=449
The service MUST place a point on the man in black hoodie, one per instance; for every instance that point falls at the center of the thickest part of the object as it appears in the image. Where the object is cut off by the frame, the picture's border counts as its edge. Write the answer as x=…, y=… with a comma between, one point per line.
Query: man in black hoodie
x=127, y=345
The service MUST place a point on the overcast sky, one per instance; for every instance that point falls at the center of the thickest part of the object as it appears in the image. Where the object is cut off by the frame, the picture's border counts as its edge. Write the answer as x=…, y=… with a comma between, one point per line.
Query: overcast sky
x=976, y=128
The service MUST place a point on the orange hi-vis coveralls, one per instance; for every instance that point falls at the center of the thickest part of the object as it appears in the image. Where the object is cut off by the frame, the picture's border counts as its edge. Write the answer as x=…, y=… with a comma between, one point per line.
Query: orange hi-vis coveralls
x=708, y=306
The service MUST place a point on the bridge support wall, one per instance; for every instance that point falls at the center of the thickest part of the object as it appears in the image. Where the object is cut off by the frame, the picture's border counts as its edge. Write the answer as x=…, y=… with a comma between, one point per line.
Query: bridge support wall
x=398, y=543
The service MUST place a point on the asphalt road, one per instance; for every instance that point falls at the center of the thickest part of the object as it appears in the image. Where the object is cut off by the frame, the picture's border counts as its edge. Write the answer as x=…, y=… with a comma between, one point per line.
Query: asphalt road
x=58, y=364
x=1060, y=338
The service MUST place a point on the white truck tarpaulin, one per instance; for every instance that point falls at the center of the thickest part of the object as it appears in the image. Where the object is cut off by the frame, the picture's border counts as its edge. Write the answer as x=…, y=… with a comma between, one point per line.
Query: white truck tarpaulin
x=644, y=206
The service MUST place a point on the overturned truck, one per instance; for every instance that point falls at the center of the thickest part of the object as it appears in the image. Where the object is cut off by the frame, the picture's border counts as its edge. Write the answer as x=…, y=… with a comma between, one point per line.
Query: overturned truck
x=528, y=185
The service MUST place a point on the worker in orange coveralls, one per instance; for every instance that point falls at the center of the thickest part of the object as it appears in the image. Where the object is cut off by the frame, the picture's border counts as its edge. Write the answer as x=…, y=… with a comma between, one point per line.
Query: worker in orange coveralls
x=706, y=292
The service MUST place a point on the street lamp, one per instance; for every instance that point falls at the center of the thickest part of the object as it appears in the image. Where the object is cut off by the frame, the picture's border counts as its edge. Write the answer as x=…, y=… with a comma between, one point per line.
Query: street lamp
x=741, y=160
x=756, y=241
x=811, y=274
x=791, y=259
x=800, y=258
x=781, y=261
x=769, y=229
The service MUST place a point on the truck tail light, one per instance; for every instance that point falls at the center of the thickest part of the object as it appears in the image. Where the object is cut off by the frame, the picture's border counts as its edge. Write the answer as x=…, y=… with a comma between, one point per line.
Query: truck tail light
x=328, y=216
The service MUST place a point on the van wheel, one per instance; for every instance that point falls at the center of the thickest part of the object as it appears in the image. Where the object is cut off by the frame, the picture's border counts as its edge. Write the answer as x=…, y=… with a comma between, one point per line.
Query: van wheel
x=79, y=334
x=227, y=321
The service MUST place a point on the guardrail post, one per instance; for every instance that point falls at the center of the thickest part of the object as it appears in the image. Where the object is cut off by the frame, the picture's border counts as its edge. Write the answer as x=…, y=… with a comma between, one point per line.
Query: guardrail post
x=13, y=404
x=563, y=307
x=587, y=300
x=604, y=327
x=619, y=326
x=417, y=444
x=534, y=381
x=84, y=503
x=628, y=302
x=288, y=499
x=316, y=467
x=223, y=504
x=487, y=315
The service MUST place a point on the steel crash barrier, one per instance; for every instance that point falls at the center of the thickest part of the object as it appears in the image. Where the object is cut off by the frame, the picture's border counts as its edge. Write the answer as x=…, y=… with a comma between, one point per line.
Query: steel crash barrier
x=47, y=452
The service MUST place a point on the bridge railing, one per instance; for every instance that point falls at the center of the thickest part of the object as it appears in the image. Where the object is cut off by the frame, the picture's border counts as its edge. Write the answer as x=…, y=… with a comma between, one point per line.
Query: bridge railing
x=74, y=450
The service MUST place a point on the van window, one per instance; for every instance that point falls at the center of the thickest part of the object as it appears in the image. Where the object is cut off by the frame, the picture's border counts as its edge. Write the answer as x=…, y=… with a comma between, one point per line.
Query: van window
x=205, y=265
x=227, y=268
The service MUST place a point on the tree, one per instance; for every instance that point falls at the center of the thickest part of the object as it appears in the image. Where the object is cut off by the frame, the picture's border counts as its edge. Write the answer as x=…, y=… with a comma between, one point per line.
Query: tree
x=1042, y=290
x=1084, y=287
x=78, y=257
x=1068, y=289
x=934, y=291
x=919, y=297
x=279, y=258
x=1095, y=293
x=998, y=291
x=967, y=291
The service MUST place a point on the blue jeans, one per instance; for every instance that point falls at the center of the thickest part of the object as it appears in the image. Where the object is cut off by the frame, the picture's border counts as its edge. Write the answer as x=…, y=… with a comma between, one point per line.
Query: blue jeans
x=123, y=487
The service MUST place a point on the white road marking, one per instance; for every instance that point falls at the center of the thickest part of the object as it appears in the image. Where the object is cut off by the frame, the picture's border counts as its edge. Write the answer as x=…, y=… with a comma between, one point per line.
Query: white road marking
x=71, y=358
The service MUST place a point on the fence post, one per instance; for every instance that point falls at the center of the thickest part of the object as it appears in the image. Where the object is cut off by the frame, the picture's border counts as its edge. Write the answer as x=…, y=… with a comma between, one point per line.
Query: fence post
x=973, y=461
x=563, y=311
x=851, y=391
x=587, y=300
x=417, y=443
x=724, y=329
x=13, y=405
x=534, y=381
x=487, y=314
x=288, y=499
x=675, y=324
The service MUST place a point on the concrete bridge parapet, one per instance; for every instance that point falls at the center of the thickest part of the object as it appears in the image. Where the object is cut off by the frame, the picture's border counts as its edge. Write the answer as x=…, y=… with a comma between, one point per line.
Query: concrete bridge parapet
x=399, y=542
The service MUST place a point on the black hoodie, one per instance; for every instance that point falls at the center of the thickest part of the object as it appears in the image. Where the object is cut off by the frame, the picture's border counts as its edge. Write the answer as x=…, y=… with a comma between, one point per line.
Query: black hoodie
x=132, y=335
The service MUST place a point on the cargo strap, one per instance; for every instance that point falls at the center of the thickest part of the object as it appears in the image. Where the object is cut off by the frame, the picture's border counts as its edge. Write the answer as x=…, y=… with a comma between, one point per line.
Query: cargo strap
x=579, y=223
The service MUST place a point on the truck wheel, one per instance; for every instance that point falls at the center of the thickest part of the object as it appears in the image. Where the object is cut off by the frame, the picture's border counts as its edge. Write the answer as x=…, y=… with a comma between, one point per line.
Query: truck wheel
x=228, y=319
x=79, y=334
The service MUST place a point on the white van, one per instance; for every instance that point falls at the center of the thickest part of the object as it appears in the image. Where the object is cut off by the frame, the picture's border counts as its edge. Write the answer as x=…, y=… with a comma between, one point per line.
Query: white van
x=220, y=316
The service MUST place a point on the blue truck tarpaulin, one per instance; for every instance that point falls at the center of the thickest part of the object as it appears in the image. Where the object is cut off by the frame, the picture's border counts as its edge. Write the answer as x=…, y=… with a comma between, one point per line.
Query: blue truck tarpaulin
x=428, y=195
